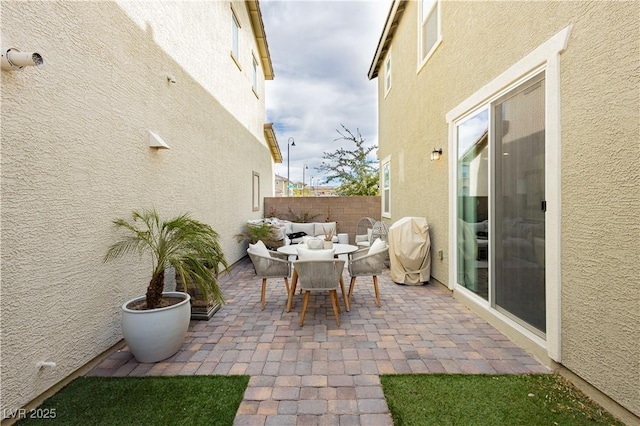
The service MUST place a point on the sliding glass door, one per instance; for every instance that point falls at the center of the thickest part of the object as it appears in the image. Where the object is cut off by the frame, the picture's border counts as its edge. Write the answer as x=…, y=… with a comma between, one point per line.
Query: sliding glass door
x=501, y=203
x=519, y=122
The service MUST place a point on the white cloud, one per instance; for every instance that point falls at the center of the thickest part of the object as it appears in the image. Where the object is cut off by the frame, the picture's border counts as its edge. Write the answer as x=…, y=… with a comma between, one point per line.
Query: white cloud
x=321, y=53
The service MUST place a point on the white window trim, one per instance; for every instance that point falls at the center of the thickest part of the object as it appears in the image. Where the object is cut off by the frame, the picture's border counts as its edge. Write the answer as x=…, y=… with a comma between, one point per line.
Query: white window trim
x=387, y=214
x=387, y=73
x=423, y=61
x=254, y=77
x=255, y=191
x=235, y=55
x=546, y=58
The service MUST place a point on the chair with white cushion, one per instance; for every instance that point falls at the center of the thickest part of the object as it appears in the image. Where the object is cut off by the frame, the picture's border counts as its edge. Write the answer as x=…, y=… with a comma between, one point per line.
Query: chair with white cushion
x=368, y=261
x=364, y=232
x=320, y=275
x=304, y=253
x=269, y=264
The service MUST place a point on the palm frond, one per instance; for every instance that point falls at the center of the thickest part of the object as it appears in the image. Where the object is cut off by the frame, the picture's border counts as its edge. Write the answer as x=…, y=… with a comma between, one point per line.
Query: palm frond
x=191, y=247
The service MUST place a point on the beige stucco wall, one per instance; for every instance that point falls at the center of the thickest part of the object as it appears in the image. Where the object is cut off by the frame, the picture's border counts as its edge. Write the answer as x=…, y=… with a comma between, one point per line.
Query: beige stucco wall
x=600, y=184
x=217, y=73
x=75, y=155
x=601, y=200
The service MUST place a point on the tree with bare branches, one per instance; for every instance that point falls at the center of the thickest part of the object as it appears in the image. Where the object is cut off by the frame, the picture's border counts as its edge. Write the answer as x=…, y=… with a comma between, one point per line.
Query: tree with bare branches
x=355, y=171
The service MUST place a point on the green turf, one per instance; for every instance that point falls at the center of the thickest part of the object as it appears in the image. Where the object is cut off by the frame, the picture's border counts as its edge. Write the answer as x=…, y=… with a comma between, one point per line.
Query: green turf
x=192, y=400
x=465, y=400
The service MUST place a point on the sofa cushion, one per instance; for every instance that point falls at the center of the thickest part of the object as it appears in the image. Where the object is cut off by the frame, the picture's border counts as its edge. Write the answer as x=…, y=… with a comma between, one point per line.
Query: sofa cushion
x=324, y=228
x=309, y=228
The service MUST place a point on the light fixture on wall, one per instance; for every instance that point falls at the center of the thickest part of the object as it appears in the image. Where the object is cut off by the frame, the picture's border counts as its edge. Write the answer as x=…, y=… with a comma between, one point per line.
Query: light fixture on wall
x=13, y=59
x=290, y=142
x=435, y=154
x=156, y=141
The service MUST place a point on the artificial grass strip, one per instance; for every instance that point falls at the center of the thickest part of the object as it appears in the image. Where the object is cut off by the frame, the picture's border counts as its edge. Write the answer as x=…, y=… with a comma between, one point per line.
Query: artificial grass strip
x=183, y=400
x=459, y=399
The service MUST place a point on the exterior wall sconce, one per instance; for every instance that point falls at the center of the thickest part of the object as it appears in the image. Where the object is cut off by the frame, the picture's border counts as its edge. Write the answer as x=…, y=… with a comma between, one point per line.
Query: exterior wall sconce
x=435, y=154
x=156, y=141
x=13, y=59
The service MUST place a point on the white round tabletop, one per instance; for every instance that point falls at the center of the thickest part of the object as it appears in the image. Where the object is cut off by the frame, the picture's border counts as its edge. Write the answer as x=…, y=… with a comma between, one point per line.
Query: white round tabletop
x=339, y=248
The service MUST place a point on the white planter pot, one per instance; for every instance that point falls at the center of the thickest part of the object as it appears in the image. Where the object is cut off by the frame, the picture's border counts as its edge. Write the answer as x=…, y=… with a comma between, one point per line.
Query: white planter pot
x=154, y=335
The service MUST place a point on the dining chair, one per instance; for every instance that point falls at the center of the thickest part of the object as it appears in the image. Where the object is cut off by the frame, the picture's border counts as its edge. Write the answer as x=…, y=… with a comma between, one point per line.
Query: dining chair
x=368, y=261
x=270, y=264
x=321, y=275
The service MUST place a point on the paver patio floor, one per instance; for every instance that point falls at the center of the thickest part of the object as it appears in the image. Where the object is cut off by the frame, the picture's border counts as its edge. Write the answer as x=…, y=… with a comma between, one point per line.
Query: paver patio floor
x=323, y=373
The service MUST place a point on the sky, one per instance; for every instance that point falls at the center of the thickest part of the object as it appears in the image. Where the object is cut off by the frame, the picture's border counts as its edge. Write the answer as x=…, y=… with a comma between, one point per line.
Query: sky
x=321, y=53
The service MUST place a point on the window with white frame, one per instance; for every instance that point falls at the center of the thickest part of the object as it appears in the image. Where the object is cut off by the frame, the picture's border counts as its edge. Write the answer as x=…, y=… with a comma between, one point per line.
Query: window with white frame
x=255, y=190
x=235, y=37
x=254, y=81
x=429, y=29
x=386, y=187
x=387, y=74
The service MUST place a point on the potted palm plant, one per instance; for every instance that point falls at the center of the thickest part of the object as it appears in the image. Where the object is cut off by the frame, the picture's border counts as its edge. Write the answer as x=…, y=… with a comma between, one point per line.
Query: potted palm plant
x=262, y=231
x=154, y=325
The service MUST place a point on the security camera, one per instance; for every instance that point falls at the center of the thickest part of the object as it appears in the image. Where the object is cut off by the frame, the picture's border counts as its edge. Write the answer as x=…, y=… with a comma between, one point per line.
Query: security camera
x=13, y=59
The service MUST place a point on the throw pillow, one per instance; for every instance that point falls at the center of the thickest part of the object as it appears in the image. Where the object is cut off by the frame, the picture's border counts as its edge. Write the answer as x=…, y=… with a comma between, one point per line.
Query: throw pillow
x=260, y=248
x=305, y=253
x=294, y=235
x=378, y=245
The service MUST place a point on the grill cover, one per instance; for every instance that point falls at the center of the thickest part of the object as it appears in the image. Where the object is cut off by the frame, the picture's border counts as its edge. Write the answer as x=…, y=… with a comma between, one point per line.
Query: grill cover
x=410, y=251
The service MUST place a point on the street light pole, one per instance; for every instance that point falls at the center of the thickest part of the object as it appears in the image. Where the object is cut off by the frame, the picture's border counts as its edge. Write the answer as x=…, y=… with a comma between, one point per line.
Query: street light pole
x=303, y=180
x=290, y=142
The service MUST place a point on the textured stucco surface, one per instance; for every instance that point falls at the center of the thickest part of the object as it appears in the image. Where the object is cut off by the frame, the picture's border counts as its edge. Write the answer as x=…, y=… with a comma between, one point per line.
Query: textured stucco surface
x=600, y=186
x=601, y=201
x=75, y=155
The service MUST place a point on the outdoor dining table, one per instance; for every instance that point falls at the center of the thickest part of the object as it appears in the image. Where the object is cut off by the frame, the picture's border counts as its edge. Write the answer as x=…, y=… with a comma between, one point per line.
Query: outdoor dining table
x=291, y=250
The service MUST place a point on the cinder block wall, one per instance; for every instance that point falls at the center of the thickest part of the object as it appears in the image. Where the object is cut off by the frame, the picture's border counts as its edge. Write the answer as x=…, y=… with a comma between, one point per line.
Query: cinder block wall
x=347, y=211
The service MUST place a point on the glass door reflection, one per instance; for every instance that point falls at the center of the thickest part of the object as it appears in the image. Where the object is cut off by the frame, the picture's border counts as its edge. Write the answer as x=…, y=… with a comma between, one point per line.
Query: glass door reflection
x=473, y=207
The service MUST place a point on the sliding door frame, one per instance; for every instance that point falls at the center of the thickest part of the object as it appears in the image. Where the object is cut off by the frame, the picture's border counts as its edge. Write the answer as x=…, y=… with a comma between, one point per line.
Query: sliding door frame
x=544, y=59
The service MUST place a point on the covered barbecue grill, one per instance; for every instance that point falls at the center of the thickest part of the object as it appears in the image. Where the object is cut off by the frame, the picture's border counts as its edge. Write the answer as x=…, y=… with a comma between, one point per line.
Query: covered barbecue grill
x=410, y=251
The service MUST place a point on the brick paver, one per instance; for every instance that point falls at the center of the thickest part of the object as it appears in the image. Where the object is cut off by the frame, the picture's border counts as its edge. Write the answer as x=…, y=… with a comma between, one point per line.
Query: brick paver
x=322, y=374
